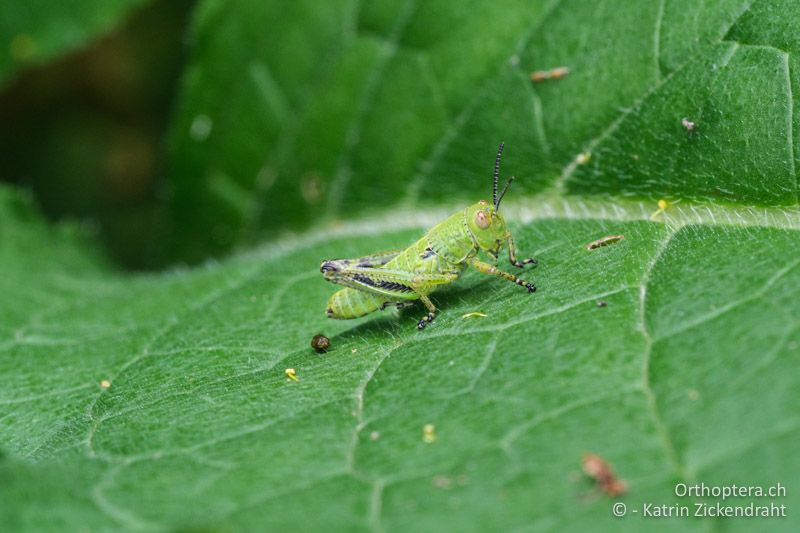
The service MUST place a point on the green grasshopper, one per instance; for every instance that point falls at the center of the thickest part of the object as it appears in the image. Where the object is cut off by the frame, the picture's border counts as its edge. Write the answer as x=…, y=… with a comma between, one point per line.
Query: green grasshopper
x=398, y=278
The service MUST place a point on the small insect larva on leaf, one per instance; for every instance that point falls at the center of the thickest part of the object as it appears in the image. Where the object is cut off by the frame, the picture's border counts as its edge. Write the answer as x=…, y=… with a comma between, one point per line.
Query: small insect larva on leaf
x=291, y=374
x=599, y=470
x=604, y=241
x=320, y=343
x=557, y=73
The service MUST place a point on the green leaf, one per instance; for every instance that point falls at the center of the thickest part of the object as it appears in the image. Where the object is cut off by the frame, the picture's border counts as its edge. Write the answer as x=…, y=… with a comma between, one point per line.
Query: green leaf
x=33, y=31
x=687, y=374
x=289, y=113
x=161, y=402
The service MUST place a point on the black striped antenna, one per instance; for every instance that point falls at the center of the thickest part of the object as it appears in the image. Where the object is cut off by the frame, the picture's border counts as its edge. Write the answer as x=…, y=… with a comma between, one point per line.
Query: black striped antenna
x=496, y=174
x=497, y=203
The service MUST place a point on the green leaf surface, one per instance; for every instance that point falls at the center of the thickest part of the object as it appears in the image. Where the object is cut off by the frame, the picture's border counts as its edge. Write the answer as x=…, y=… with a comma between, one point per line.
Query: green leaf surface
x=33, y=31
x=288, y=113
x=687, y=374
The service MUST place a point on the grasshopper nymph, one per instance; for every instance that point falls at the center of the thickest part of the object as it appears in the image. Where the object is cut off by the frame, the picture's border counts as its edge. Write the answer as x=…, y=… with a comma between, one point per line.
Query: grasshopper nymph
x=398, y=278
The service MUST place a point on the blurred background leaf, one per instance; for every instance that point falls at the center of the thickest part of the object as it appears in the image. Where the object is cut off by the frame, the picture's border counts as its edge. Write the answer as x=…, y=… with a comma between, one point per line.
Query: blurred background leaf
x=34, y=31
x=292, y=115
x=85, y=131
x=320, y=114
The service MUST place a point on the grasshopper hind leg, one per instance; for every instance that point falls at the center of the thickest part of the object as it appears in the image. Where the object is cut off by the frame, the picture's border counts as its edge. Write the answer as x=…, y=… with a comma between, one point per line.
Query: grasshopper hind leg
x=351, y=303
x=398, y=305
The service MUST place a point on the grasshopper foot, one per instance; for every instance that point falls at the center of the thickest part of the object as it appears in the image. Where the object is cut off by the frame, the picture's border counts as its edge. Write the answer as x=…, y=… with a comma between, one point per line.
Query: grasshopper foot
x=528, y=285
x=528, y=261
x=425, y=320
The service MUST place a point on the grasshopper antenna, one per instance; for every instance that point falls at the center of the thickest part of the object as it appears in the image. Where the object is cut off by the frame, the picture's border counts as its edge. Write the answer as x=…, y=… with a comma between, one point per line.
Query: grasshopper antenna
x=496, y=174
x=497, y=203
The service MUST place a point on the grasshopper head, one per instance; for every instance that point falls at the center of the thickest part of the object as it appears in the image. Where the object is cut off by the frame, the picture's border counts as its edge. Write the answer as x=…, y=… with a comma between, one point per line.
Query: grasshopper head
x=484, y=221
x=486, y=225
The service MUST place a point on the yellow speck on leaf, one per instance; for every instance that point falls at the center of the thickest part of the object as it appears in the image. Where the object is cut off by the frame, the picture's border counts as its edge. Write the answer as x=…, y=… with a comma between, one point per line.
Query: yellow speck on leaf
x=662, y=207
x=105, y=383
x=474, y=314
x=291, y=374
x=583, y=158
x=429, y=433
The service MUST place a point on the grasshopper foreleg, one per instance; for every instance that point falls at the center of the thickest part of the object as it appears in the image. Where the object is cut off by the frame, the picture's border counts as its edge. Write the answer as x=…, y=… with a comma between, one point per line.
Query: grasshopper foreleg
x=431, y=312
x=512, y=255
x=486, y=268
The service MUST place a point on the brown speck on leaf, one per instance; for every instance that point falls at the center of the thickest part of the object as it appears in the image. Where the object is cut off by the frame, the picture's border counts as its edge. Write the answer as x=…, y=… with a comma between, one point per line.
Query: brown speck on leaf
x=320, y=343
x=602, y=303
x=599, y=470
x=442, y=482
x=312, y=188
x=604, y=241
x=557, y=73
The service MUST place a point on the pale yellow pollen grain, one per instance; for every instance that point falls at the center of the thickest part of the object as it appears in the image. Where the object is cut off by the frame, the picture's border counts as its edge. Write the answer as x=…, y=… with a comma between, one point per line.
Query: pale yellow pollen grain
x=429, y=433
x=105, y=383
x=291, y=374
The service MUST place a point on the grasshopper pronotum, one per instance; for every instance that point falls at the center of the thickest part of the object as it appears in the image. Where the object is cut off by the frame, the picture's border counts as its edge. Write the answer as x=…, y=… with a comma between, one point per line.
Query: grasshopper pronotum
x=397, y=278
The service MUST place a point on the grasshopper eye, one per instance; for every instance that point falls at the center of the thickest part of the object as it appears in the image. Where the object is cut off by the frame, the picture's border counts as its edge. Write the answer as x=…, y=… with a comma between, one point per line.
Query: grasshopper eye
x=481, y=220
